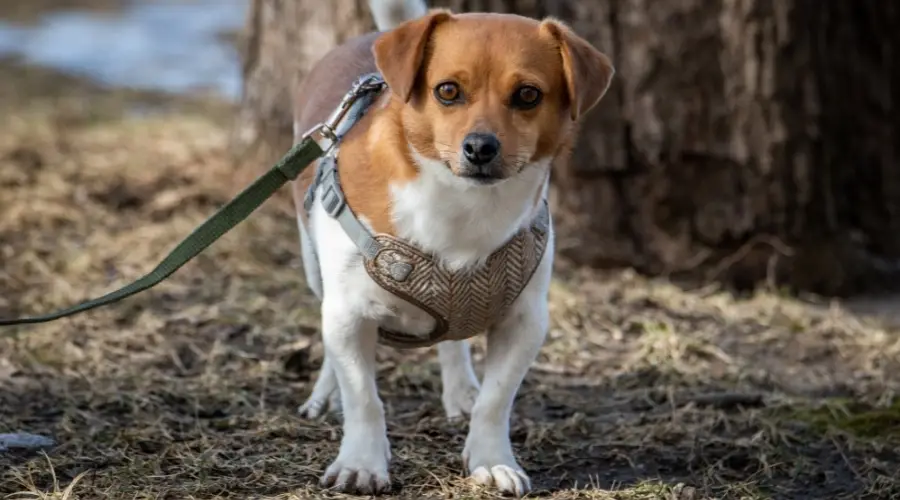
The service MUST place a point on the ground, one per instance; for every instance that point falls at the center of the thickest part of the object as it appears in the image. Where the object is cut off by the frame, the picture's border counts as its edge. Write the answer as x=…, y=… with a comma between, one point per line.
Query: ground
x=643, y=390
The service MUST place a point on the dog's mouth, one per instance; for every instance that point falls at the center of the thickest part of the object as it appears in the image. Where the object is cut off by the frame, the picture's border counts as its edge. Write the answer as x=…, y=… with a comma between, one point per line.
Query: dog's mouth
x=482, y=178
x=481, y=175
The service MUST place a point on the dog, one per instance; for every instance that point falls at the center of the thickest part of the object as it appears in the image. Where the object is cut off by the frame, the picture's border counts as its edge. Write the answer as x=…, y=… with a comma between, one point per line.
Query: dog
x=449, y=164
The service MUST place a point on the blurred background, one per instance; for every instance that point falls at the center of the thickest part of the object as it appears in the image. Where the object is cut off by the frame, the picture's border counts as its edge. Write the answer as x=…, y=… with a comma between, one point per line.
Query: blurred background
x=171, y=46
x=742, y=142
x=724, y=310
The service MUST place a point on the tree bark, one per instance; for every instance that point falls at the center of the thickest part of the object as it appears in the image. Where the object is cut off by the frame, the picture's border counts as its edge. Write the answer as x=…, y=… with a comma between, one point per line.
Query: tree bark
x=741, y=140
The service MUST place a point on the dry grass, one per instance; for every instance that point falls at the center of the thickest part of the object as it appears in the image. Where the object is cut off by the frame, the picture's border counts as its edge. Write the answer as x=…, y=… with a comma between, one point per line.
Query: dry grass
x=643, y=390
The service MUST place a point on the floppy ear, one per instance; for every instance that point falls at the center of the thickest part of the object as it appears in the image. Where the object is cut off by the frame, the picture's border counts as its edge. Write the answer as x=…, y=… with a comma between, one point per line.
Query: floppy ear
x=400, y=51
x=588, y=71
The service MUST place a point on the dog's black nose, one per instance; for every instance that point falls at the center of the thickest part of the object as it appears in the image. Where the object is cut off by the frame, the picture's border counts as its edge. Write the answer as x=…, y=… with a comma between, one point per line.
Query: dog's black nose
x=480, y=148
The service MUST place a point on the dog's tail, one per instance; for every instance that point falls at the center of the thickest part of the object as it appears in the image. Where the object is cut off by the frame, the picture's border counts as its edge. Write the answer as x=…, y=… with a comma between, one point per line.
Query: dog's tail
x=389, y=13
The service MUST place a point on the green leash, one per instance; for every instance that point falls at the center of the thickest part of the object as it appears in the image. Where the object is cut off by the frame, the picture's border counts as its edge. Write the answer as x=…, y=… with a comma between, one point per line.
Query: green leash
x=312, y=146
x=212, y=229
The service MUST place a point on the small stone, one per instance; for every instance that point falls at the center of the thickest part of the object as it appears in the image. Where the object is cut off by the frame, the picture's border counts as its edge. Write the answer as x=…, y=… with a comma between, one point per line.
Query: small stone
x=684, y=492
x=24, y=441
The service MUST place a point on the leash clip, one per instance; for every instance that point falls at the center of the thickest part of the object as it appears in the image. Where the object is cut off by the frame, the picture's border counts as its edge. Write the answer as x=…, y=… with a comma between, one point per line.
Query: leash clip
x=325, y=134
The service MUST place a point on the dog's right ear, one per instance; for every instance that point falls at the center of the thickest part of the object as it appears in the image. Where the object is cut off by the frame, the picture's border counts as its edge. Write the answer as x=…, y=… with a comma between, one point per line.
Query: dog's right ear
x=588, y=71
x=399, y=52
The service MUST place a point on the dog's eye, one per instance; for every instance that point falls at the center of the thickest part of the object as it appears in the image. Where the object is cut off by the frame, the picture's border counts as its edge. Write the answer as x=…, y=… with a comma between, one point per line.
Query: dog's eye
x=526, y=97
x=447, y=92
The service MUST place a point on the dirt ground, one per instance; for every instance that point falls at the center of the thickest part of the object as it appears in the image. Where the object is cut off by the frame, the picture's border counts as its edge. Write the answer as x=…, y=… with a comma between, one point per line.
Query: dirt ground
x=643, y=390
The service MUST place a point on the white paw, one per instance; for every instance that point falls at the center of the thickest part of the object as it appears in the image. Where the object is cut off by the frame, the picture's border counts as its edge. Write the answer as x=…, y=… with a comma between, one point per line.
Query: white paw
x=360, y=468
x=507, y=479
x=459, y=399
x=319, y=404
x=494, y=466
x=326, y=394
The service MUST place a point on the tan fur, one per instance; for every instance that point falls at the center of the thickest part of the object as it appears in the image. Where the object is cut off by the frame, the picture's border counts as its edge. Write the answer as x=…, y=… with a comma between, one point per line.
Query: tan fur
x=588, y=71
x=489, y=56
x=399, y=53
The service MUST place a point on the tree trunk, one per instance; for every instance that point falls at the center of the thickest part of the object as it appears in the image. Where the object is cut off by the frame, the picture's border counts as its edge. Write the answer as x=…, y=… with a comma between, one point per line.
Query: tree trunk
x=741, y=140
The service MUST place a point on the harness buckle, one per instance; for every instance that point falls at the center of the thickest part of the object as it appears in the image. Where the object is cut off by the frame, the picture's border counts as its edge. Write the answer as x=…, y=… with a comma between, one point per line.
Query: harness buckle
x=322, y=135
x=362, y=87
x=333, y=200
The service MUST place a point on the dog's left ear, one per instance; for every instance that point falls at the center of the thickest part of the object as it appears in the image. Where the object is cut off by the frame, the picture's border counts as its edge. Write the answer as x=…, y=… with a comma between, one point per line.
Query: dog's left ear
x=588, y=71
x=400, y=51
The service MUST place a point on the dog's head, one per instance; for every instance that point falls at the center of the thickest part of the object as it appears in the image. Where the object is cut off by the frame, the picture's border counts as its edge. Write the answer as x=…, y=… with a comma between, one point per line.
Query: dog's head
x=489, y=94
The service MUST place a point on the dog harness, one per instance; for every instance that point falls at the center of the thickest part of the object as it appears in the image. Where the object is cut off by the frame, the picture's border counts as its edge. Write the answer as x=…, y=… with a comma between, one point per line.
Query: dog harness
x=463, y=302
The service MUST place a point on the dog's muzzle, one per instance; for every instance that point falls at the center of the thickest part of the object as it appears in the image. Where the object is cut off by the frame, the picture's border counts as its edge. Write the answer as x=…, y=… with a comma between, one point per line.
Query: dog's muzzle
x=480, y=158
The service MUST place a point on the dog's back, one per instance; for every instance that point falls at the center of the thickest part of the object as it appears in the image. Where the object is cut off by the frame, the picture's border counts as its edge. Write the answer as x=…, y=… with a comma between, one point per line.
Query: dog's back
x=330, y=78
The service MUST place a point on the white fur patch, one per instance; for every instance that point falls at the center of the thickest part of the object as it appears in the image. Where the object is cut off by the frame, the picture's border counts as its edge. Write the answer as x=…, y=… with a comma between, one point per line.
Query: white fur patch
x=459, y=221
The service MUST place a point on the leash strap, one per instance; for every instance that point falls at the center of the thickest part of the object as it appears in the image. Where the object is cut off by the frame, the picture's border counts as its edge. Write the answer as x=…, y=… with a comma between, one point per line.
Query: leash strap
x=206, y=234
x=313, y=144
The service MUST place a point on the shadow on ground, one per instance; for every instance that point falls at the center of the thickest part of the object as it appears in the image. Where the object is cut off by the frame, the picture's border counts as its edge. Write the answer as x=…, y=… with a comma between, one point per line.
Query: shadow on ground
x=643, y=390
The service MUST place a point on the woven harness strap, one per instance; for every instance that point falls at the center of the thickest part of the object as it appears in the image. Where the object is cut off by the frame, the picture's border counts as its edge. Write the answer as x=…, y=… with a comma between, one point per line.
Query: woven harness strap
x=464, y=303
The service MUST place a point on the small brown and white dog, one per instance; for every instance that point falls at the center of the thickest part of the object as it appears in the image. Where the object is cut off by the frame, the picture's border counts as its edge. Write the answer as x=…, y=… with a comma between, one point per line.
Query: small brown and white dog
x=453, y=158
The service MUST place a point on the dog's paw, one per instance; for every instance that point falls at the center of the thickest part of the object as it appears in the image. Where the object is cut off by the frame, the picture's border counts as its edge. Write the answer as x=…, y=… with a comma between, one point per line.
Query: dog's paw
x=360, y=470
x=317, y=405
x=507, y=479
x=496, y=468
x=459, y=399
x=325, y=397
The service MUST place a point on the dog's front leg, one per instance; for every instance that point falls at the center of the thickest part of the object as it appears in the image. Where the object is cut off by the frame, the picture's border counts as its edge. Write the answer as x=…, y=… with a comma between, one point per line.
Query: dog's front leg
x=362, y=462
x=460, y=385
x=511, y=348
